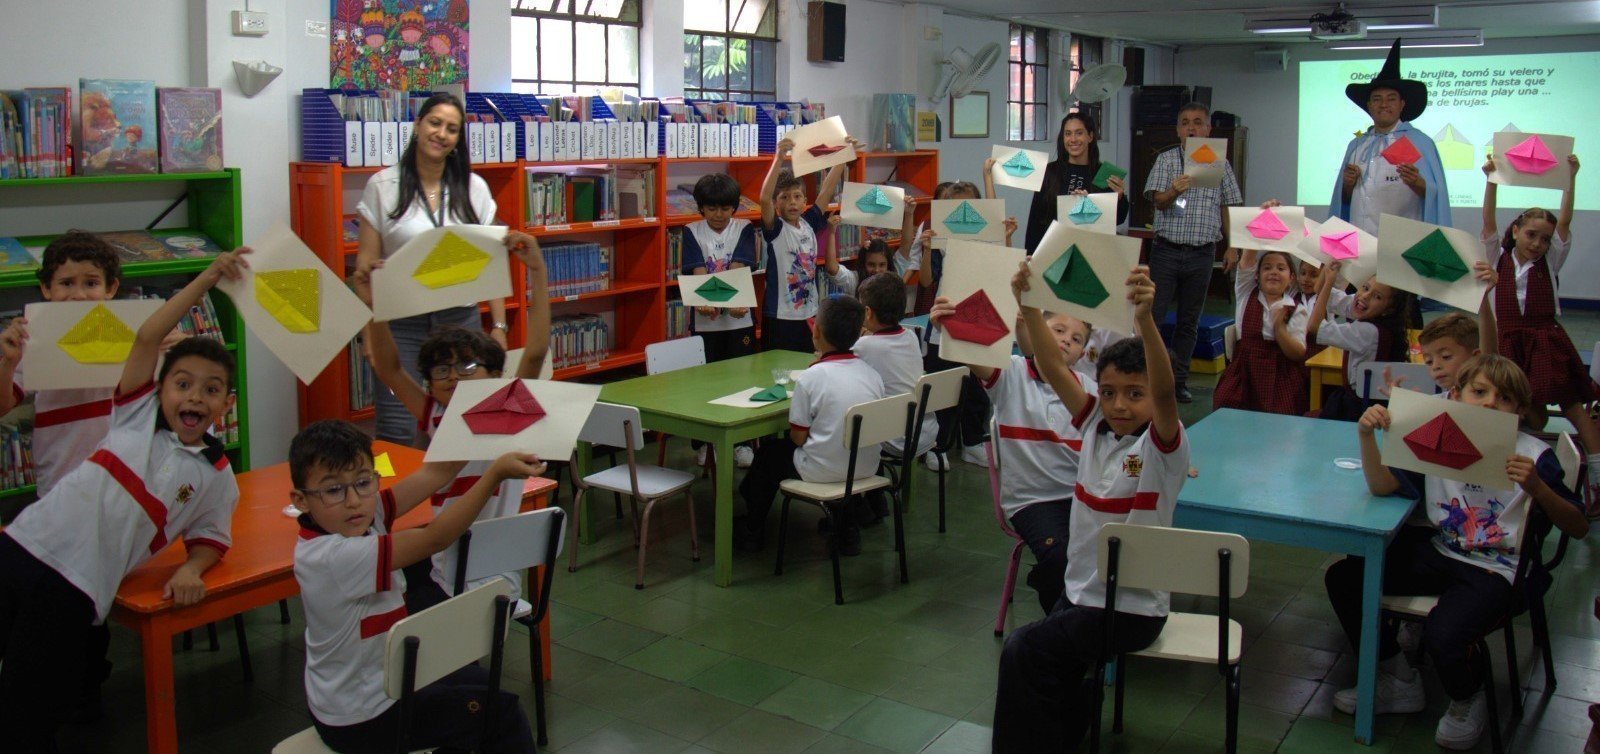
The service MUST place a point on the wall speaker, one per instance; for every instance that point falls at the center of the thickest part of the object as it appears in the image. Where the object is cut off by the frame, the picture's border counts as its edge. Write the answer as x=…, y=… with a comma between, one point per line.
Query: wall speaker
x=1133, y=60
x=1270, y=61
x=825, y=32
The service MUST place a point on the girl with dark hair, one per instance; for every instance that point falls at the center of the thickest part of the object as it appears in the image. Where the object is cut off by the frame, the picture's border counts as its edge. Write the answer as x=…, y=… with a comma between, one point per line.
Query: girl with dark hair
x=1071, y=172
x=433, y=186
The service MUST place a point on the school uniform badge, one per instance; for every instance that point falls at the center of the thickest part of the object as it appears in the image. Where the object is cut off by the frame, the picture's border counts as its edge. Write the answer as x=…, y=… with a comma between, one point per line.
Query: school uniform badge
x=1133, y=465
x=185, y=493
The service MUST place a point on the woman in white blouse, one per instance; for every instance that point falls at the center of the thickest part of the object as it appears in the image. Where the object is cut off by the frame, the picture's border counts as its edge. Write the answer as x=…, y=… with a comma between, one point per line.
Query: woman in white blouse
x=432, y=186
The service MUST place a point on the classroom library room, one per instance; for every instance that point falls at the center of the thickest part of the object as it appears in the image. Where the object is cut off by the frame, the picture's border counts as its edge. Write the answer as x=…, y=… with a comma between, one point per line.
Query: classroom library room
x=780, y=376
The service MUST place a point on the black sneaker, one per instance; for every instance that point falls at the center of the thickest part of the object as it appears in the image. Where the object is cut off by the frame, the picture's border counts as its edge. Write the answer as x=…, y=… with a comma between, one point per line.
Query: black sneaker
x=1184, y=396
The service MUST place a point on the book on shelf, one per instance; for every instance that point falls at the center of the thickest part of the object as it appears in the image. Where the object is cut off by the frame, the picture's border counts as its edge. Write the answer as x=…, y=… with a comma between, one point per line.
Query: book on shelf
x=351, y=229
x=580, y=339
x=677, y=319
x=361, y=377
x=16, y=458
x=191, y=129
x=851, y=238
x=584, y=195
x=680, y=201
x=36, y=132
x=144, y=246
x=227, y=428
x=577, y=267
x=15, y=256
x=674, y=253
x=117, y=127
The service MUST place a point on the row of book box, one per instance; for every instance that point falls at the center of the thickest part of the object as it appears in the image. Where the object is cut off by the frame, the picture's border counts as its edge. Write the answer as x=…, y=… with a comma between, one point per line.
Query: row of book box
x=361, y=128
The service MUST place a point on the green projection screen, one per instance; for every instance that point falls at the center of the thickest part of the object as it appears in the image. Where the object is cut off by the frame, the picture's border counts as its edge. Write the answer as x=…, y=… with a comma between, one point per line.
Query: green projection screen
x=1469, y=99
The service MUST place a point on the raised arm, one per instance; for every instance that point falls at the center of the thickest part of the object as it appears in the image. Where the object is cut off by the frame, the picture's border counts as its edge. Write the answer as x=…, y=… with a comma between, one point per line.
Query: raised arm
x=830, y=182
x=141, y=364
x=1488, y=329
x=420, y=485
x=1319, y=312
x=769, y=211
x=1292, y=347
x=415, y=545
x=536, y=342
x=1052, y=363
x=384, y=356
x=943, y=308
x=830, y=258
x=1564, y=220
x=1490, y=227
x=13, y=341
x=1380, y=480
x=1157, y=365
x=988, y=179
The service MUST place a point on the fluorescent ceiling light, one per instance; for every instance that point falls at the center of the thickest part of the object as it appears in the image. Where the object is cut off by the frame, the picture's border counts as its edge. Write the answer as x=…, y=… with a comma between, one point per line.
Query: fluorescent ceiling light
x=1415, y=40
x=1404, y=17
x=1278, y=26
x=1298, y=20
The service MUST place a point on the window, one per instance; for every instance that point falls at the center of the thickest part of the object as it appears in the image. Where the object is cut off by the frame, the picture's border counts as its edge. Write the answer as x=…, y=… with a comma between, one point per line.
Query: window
x=581, y=46
x=730, y=49
x=1084, y=53
x=1027, y=99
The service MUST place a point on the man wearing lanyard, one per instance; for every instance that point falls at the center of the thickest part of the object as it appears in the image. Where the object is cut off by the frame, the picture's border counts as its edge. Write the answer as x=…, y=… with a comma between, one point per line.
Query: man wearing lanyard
x=1407, y=182
x=1189, y=222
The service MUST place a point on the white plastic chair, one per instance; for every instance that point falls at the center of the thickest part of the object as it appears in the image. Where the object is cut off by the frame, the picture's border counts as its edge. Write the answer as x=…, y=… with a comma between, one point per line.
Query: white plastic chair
x=619, y=426
x=869, y=423
x=937, y=392
x=1230, y=340
x=455, y=633
x=670, y=356
x=992, y=448
x=1181, y=561
x=1416, y=377
x=513, y=543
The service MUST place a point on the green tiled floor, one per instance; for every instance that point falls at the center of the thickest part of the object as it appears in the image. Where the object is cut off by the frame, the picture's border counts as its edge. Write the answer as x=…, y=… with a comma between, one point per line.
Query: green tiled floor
x=771, y=665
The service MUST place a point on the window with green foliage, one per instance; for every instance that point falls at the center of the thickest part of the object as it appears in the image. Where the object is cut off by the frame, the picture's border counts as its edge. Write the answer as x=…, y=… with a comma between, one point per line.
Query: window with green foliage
x=582, y=46
x=730, y=49
x=1027, y=97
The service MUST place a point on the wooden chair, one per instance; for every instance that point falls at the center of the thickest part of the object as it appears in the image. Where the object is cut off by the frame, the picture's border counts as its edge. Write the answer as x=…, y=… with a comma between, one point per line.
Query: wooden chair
x=526, y=541
x=619, y=426
x=456, y=632
x=1181, y=561
x=867, y=423
x=993, y=449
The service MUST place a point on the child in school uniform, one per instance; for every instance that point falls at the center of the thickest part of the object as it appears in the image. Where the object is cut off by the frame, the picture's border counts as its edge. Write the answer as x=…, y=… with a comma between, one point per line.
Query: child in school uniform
x=1377, y=315
x=157, y=476
x=1468, y=556
x=1447, y=342
x=896, y=354
x=718, y=242
x=873, y=258
x=348, y=561
x=1038, y=446
x=970, y=417
x=1526, y=262
x=1267, y=372
x=1133, y=463
x=813, y=450
x=450, y=355
x=790, y=230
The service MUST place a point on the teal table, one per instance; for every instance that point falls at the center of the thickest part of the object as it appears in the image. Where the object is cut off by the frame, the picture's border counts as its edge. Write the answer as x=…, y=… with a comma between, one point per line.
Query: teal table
x=677, y=403
x=1272, y=478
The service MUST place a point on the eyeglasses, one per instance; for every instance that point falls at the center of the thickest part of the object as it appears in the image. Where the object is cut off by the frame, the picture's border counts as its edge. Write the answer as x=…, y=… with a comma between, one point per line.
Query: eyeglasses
x=442, y=371
x=365, y=485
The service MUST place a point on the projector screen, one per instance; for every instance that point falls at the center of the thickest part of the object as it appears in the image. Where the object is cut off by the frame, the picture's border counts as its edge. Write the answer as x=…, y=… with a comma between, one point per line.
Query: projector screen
x=1469, y=99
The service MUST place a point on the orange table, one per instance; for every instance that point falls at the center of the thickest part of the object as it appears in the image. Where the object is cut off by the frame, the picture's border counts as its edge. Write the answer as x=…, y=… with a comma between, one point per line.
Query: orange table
x=257, y=571
x=1327, y=370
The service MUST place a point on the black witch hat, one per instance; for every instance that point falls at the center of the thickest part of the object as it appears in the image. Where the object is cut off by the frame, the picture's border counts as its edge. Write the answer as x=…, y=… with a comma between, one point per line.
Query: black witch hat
x=1415, y=93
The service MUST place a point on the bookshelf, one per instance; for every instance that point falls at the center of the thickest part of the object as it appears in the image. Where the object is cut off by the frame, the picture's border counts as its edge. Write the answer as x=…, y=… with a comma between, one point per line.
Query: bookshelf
x=641, y=288
x=212, y=207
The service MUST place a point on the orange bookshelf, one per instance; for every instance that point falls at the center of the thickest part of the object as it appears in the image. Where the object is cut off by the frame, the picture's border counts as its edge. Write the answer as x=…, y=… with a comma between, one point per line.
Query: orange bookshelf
x=322, y=195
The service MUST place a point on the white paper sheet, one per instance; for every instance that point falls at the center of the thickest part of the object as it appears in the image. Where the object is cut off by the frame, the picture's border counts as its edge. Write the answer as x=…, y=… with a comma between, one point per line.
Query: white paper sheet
x=993, y=212
x=1106, y=202
x=1397, y=234
x=1240, y=237
x=968, y=268
x=1111, y=257
x=1353, y=271
x=852, y=214
x=738, y=277
x=741, y=399
x=46, y=366
x=1032, y=181
x=1493, y=433
x=1557, y=177
x=1205, y=174
x=514, y=357
x=552, y=438
x=826, y=132
x=397, y=293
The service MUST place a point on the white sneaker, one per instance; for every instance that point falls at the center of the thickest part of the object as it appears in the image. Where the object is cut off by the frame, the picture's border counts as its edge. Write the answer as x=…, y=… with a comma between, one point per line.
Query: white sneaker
x=975, y=455
x=1395, y=697
x=935, y=461
x=1409, y=636
x=1462, y=724
x=743, y=456
x=701, y=454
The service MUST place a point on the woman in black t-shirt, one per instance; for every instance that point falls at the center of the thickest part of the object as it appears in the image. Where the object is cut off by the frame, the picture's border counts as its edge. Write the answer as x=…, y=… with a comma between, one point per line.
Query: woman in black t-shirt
x=1071, y=172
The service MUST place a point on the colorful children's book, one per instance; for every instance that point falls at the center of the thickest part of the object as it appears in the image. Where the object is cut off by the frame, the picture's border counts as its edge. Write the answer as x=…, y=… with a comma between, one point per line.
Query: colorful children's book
x=191, y=129
x=118, y=128
x=137, y=246
x=189, y=245
x=14, y=256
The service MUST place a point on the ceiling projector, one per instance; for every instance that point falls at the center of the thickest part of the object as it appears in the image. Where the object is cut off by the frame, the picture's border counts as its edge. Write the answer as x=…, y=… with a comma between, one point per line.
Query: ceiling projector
x=1331, y=27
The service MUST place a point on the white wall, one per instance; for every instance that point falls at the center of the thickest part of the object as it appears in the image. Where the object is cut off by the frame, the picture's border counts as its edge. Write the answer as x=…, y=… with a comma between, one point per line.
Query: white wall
x=1266, y=102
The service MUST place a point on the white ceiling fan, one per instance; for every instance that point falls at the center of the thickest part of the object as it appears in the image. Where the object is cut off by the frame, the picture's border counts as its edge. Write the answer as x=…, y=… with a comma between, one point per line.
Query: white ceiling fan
x=1097, y=84
x=962, y=70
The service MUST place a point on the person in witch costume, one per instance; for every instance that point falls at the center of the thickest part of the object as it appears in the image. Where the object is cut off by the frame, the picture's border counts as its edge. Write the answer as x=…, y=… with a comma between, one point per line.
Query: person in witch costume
x=1370, y=185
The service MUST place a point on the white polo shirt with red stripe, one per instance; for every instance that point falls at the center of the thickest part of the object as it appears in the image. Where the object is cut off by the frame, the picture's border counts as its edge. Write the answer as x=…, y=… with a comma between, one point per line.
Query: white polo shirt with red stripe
x=67, y=425
x=506, y=502
x=352, y=594
x=137, y=492
x=1131, y=479
x=896, y=354
x=823, y=394
x=1038, y=445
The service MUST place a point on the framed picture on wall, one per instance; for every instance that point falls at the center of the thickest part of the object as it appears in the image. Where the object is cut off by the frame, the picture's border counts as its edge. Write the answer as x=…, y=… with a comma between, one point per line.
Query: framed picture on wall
x=969, y=116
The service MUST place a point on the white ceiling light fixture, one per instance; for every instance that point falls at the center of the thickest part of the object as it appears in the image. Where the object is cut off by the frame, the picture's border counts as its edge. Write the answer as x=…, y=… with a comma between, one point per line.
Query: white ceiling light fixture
x=1296, y=20
x=1421, y=39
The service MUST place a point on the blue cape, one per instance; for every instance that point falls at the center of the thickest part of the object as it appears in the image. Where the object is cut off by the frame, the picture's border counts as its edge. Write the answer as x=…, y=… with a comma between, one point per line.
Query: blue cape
x=1435, y=200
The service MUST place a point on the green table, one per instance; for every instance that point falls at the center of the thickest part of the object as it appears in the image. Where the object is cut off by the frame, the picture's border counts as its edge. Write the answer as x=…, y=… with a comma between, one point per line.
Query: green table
x=677, y=403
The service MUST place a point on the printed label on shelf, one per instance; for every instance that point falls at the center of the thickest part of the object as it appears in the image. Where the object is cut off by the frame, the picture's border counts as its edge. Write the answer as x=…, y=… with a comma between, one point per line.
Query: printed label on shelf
x=606, y=223
x=558, y=226
x=574, y=297
x=591, y=366
x=647, y=219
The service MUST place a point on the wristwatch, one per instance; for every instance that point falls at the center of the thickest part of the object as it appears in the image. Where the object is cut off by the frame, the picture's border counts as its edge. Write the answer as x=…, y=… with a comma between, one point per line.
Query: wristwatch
x=500, y=326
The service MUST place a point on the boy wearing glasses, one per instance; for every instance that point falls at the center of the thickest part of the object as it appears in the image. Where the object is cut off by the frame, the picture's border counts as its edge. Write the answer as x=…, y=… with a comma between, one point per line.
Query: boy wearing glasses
x=449, y=355
x=156, y=477
x=348, y=562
